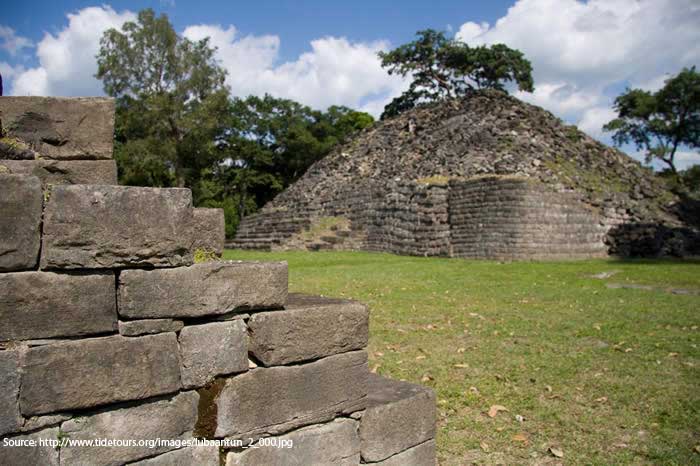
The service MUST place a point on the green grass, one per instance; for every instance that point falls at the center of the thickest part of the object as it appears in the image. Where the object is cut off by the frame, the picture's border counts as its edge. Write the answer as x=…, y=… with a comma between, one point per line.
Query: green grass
x=609, y=376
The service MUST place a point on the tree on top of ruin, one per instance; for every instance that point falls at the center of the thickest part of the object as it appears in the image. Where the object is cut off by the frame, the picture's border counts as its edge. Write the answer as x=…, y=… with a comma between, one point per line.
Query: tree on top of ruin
x=444, y=69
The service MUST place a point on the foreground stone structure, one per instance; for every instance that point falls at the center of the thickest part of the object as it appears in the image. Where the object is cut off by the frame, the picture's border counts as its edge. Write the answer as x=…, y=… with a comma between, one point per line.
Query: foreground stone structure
x=109, y=331
x=486, y=177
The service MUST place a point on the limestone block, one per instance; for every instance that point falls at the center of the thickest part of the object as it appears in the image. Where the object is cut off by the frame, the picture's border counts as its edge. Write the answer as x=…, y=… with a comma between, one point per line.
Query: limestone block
x=61, y=128
x=421, y=455
x=44, y=455
x=209, y=230
x=208, y=350
x=188, y=456
x=39, y=422
x=62, y=172
x=35, y=305
x=209, y=288
x=309, y=328
x=20, y=222
x=135, y=328
x=335, y=443
x=277, y=399
x=399, y=416
x=97, y=371
x=170, y=419
x=10, y=419
x=91, y=226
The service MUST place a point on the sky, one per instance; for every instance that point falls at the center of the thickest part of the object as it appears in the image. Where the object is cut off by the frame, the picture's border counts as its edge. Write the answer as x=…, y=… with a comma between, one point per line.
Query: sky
x=322, y=53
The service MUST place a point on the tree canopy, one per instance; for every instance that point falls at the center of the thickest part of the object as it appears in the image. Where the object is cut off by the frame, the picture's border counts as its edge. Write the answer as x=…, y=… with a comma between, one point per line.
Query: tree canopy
x=442, y=69
x=177, y=125
x=660, y=122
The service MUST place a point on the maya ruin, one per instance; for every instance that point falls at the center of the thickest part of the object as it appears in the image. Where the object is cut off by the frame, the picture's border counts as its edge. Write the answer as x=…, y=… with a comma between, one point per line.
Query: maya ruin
x=117, y=322
x=487, y=177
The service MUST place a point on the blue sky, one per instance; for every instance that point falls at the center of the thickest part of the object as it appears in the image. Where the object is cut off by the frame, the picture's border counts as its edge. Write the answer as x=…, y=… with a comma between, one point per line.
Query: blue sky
x=324, y=52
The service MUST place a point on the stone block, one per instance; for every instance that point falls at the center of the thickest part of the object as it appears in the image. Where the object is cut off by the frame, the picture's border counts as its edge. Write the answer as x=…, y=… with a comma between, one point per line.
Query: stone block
x=420, y=455
x=209, y=230
x=36, y=454
x=62, y=172
x=91, y=226
x=35, y=305
x=209, y=288
x=335, y=443
x=60, y=128
x=39, y=422
x=188, y=456
x=170, y=419
x=270, y=401
x=10, y=419
x=399, y=415
x=98, y=371
x=20, y=222
x=135, y=328
x=309, y=328
x=208, y=350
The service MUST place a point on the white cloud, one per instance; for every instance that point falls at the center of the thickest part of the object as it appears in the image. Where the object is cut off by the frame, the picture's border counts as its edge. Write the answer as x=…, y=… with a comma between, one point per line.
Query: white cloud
x=685, y=159
x=595, y=46
x=334, y=72
x=67, y=61
x=12, y=42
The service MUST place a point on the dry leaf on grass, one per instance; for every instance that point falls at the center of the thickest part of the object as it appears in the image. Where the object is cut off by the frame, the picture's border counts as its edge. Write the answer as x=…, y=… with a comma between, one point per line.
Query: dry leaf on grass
x=375, y=369
x=461, y=366
x=484, y=446
x=558, y=452
x=426, y=378
x=495, y=409
x=520, y=438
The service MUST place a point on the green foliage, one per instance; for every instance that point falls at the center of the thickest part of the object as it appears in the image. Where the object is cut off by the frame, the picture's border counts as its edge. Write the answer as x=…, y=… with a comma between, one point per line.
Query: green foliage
x=172, y=104
x=176, y=124
x=443, y=69
x=660, y=122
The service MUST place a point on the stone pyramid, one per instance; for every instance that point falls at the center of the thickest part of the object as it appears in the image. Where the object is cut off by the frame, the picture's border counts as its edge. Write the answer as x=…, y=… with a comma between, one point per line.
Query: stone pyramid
x=484, y=177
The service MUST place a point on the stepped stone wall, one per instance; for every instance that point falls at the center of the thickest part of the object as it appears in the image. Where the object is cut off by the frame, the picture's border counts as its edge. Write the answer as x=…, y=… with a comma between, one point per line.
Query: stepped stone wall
x=491, y=217
x=515, y=218
x=111, y=332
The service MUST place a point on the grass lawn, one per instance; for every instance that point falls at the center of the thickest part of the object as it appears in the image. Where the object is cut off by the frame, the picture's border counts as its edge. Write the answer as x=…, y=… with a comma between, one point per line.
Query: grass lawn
x=606, y=375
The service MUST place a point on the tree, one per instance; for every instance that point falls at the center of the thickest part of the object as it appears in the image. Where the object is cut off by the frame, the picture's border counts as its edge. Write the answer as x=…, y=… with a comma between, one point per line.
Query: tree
x=660, y=122
x=171, y=100
x=443, y=69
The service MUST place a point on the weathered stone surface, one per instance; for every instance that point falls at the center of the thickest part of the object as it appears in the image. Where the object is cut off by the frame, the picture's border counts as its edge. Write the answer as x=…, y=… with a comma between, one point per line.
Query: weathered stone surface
x=97, y=371
x=188, y=456
x=91, y=226
x=20, y=222
x=421, y=455
x=45, y=455
x=61, y=128
x=208, y=350
x=36, y=305
x=209, y=230
x=335, y=443
x=134, y=328
x=62, y=172
x=203, y=289
x=309, y=328
x=275, y=400
x=10, y=419
x=399, y=416
x=39, y=422
x=171, y=419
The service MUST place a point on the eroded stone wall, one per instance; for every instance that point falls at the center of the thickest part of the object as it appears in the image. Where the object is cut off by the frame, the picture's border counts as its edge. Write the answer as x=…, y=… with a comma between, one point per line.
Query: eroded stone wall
x=111, y=330
x=516, y=218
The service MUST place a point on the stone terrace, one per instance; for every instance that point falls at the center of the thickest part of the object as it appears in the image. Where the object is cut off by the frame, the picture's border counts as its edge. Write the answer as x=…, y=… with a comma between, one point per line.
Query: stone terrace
x=109, y=329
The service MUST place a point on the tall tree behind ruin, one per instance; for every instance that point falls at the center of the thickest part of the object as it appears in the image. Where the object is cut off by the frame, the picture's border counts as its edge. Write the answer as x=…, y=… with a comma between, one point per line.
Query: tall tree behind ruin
x=660, y=122
x=172, y=103
x=442, y=69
